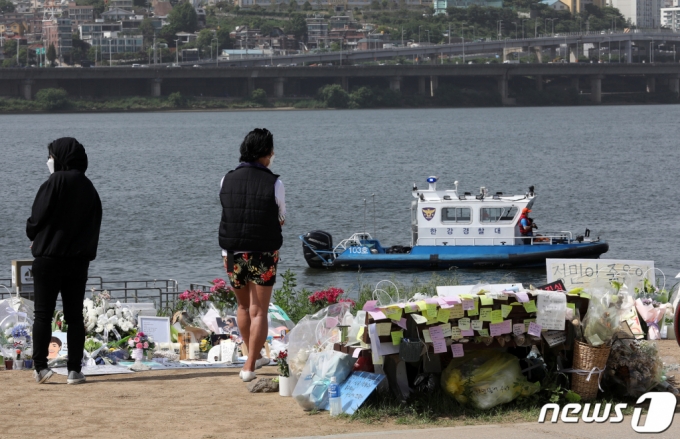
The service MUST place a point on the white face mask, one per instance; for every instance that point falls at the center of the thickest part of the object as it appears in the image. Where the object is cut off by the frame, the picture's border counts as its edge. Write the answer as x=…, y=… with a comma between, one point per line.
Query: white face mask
x=271, y=161
x=50, y=165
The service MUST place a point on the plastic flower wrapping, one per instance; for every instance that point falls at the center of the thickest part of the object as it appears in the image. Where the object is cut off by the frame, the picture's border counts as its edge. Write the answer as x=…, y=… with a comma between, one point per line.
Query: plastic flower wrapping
x=106, y=320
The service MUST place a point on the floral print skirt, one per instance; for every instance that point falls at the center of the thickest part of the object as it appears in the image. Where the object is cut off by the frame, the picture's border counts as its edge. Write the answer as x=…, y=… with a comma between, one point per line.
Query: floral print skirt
x=256, y=267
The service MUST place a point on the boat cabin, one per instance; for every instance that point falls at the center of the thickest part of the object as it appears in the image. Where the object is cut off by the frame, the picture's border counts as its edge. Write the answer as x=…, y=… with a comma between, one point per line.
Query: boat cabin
x=447, y=218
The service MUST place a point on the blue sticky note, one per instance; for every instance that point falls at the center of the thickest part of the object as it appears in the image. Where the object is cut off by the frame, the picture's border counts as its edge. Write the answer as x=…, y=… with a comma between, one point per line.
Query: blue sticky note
x=355, y=389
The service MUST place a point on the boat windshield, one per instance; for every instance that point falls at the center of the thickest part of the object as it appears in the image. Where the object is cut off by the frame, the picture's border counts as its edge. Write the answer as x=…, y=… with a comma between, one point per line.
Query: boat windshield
x=456, y=215
x=498, y=214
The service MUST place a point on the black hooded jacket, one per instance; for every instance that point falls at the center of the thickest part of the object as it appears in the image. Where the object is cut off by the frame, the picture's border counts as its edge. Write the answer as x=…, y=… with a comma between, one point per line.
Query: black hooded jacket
x=67, y=212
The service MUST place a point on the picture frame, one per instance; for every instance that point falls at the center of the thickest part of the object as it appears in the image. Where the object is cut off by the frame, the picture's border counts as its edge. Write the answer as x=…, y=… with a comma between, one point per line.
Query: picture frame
x=156, y=327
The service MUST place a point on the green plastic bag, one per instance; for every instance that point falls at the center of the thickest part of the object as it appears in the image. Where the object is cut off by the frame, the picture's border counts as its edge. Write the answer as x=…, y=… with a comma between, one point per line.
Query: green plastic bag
x=485, y=379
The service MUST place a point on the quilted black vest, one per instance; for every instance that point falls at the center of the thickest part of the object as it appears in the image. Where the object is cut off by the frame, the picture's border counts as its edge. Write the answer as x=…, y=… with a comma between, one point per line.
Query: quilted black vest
x=250, y=215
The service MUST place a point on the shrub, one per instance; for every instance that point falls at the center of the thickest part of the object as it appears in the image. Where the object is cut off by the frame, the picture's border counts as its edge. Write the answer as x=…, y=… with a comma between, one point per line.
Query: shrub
x=363, y=97
x=334, y=96
x=53, y=98
x=177, y=100
x=259, y=96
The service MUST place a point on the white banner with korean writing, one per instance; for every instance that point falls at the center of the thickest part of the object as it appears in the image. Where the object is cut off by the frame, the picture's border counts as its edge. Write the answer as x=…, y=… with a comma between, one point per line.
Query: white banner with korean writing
x=581, y=272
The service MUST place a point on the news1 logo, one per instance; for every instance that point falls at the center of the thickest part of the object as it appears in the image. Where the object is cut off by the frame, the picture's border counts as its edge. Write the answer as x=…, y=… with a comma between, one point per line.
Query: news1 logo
x=659, y=416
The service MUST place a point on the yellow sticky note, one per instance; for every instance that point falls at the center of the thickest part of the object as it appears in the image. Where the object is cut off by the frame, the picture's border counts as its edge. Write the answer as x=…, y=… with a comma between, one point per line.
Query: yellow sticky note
x=384, y=328
x=456, y=334
x=410, y=307
x=466, y=296
x=572, y=306
x=457, y=312
x=431, y=310
x=421, y=305
x=505, y=309
x=496, y=316
x=393, y=313
x=486, y=300
x=464, y=324
x=426, y=336
x=430, y=320
x=483, y=332
x=360, y=334
x=485, y=315
x=530, y=306
x=446, y=329
x=396, y=337
x=475, y=310
x=443, y=315
x=516, y=304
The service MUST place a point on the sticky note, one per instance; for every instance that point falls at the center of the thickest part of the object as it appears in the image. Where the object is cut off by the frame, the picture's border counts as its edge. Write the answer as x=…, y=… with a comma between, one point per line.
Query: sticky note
x=468, y=304
x=419, y=319
x=572, y=306
x=457, y=312
x=384, y=328
x=505, y=327
x=466, y=296
x=496, y=316
x=443, y=315
x=530, y=306
x=495, y=329
x=468, y=333
x=360, y=334
x=370, y=305
x=393, y=313
x=439, y=346
x=457, y=350
x=584, y=295
x=486, y=300
x=526, y=324
x=430, y=320
x=446, y=329
x=431, y=309
x=505, y=310
x=402, y=323
x=522, y=297
x=411, y=307
x=535, y=329
x=377, y=314
x=396, y=337
x=421, y=305
x=456, y=334
x=475, y=324
x=464, y=324
x=356, y=352
x=518, y=328
x=436, y=333
x=485, y=314
x=426, y=336
x=474, y=311
x=483, y=332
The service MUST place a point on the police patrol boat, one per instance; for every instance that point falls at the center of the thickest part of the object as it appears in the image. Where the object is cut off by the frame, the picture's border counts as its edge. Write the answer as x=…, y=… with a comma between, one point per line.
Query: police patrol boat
x=449, y=229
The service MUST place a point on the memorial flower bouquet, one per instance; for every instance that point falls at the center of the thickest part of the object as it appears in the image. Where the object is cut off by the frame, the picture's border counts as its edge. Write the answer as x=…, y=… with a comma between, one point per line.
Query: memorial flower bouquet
x=329, y=297
x=196, y=299
x=282, y=364
x=222, y=296
x=107, y=320
x=141, y=341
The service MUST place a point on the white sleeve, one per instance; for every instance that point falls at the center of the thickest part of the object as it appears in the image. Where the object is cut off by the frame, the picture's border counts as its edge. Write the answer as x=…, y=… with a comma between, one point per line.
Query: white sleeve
x=280, y=195
x=221, y=182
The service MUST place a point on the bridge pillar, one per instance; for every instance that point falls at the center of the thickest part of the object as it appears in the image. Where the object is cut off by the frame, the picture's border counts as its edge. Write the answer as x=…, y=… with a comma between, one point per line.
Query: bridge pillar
x=573, y=52
x=596, y=89
x=629, y=52
x=434, y=83
x=343, y=81
x=26, y=89
x=651, y=84
x=251, y=86
x=156, y=87
x=422, y=85
x=395, y=83
x=553, y=53
x=278, y=87
x=503, y=91
x=575, y=83
x=539, y=82
x=538, y=50
x=674, y=85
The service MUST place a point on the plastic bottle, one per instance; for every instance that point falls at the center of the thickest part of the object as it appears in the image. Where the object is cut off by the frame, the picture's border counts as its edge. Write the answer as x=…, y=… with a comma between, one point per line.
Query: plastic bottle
x=334, y=397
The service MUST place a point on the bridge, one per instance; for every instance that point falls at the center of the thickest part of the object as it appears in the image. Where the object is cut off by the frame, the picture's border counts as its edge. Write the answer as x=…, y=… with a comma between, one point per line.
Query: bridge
x=283, y=82
x=624, y=42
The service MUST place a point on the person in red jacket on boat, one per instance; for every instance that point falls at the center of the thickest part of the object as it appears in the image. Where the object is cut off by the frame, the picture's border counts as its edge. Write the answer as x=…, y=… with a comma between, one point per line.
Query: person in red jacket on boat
x=526, y=225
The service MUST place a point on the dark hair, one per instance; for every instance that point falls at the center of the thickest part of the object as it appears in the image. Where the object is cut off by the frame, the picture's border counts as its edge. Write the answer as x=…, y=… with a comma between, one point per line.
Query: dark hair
x=257, y=143
x=55, y=340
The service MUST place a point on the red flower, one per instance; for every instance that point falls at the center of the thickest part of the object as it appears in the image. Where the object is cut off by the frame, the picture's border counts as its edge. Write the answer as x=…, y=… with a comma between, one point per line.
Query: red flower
x=266, y=275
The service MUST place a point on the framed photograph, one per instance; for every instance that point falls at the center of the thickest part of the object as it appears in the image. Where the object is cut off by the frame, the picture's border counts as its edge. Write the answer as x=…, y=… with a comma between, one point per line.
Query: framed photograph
x=156, y=327
x=58, y=346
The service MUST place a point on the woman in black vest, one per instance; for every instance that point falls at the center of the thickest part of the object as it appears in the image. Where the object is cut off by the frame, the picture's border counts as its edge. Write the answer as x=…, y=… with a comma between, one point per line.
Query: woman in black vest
x=253, y=211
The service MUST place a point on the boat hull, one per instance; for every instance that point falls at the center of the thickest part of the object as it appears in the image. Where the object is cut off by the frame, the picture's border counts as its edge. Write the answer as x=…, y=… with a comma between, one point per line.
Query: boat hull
x=443, y=257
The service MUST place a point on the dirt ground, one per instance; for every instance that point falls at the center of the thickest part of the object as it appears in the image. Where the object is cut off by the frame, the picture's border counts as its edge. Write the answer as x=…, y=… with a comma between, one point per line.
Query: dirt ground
x=198, y=404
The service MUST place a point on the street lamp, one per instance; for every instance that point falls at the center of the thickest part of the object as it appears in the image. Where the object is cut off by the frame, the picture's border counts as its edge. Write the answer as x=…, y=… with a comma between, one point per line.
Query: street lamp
x=418, y=34
x=177, y=51
x=499, y=28
x=428, y=35
x=515, y=23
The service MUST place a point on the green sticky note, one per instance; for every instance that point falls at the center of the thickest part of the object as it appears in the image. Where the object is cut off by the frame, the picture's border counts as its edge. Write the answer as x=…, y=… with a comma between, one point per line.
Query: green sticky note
x=411, y=307
x=485, y=315
x=466, y=296
x=475, y=310
x=505, y=309
x=396, y=337
x=526, y=324
x=457, y=312
x=464, y=324
x=475, y=324
x=431, y=310
x=421, y=305
x=393, y=312
x=483, y=332
x=585, y=295
x=430, y=320
x=443, y=315
x=572, y=306
x=530, y=306
x=486, y=300
x=496, y=316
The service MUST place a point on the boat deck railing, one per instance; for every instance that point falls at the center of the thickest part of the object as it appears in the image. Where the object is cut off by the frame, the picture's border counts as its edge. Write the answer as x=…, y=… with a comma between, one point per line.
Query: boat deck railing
x=550, y=238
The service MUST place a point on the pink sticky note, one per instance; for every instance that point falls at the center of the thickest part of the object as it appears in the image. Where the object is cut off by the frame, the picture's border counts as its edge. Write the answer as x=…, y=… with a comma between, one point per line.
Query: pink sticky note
x=535, y=329
x=436, y=333
x=377, y=315
x=402, y=323
x=440, y=300
x=452, y=299
x=468, y=333
x=447, y=305
x=370, y=305
x=506, y=327
x=495, y=329
x=522, y=297
x=356, y=352
x=331, y=322
x=431, y=301
x=439, y=346
x=457, y=350
x=468, y=304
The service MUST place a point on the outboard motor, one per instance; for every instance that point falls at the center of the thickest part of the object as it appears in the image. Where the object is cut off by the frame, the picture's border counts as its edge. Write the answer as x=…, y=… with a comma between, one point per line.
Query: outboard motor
x=315, y=241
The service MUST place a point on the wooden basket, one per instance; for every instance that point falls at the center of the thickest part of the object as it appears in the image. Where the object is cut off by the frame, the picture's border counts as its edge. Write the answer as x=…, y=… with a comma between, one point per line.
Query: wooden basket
x=585, y=358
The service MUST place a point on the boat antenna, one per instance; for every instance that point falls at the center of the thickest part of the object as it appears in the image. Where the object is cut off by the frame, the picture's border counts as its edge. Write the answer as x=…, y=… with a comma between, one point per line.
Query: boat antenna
x=364, y=214
x=374, y=232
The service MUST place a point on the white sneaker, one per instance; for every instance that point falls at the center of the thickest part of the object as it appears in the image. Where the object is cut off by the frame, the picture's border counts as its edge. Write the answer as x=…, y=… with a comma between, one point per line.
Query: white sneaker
x=264, y=361
x=247, y=376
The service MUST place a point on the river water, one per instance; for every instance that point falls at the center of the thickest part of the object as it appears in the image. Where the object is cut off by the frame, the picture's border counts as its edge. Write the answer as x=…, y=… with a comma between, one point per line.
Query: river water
x=613, y=169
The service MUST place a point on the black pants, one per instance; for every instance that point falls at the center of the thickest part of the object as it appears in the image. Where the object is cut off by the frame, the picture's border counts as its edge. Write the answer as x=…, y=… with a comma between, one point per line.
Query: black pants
x=51, y=276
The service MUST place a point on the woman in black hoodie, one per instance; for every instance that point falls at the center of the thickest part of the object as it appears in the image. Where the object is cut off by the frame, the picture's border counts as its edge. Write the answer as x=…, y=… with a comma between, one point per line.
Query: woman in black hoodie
x=64, y=227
